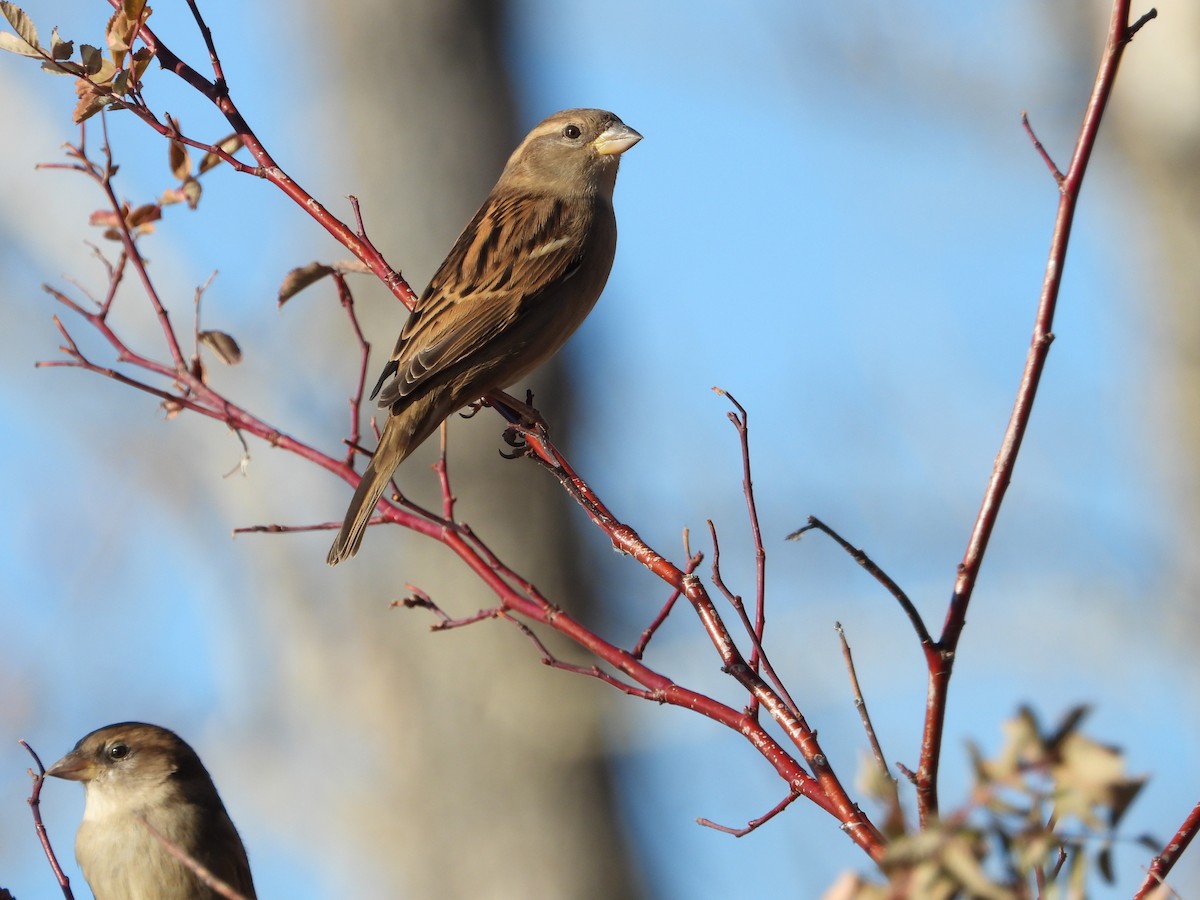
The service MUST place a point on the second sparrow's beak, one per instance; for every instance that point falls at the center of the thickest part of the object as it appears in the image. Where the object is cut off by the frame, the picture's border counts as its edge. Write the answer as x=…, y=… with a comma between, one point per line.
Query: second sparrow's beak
x=615, y=139
x=72, y=767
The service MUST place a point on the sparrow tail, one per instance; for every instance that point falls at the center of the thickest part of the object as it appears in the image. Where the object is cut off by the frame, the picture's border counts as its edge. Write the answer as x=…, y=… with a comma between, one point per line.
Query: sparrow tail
x=394, y=446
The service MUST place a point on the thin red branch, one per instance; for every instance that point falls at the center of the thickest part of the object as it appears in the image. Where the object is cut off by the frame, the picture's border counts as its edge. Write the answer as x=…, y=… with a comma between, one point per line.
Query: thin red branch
x=895, y=814
x=346, y=298
x=741, y=422
x=215, y=60
x=757, y=650
x=940, y=656
x=694, y=560
x=549, y=659
x=198, y=869
x=1041, y=150
x=753, y=823
x=1162, y=864
x=874, y=571
x=35, y=807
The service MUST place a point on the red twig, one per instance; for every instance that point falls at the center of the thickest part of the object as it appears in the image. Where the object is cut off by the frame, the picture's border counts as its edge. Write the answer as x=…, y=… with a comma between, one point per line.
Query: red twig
x=753, y=823
x=35, y=806
x=198, y=869
x=741, y=422
x=694, y=560
x=1163, y=863
x=756, y=647
x=1042, y=152
x=874, y=571
x=940, y=656
x=346, y=298
x=893, y=798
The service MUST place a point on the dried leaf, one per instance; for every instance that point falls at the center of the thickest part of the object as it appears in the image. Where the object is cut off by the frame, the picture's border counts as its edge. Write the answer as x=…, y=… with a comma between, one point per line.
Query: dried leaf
x=59, y=67
x=141, y=217
x=298, y=279
x=1104, y=863
x=106, y=73
x=1123, y=795
x=91, y=100
x=118, y=34
x=104, y=217
x=873, y=781
x=21, y=24
x=14, y=44
x=850, y=886
x=92, y=57
x=223, y=346
x=141, y=59
x=60, y=49
x=1068, y=726
x=230, y=145
x=133, y=9
x=190, y=190
x=172, y=408
x=180, y=160
x=346, y=266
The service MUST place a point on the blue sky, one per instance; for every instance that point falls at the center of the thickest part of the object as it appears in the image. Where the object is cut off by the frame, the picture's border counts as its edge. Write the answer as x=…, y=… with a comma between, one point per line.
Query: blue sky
x=836, y=217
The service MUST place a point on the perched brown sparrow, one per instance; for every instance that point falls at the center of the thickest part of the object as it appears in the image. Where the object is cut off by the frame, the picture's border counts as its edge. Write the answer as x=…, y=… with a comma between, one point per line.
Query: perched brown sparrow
x=520, y=279
x=134, y=773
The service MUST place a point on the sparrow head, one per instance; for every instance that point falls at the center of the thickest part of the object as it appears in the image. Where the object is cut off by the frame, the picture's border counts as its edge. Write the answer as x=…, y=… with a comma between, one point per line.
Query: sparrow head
x=572, y=152
x=144, y=763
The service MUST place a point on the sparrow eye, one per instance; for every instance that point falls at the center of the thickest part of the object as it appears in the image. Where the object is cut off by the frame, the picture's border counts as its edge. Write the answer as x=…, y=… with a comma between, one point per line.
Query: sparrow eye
x=118, y=751
x=571, y=132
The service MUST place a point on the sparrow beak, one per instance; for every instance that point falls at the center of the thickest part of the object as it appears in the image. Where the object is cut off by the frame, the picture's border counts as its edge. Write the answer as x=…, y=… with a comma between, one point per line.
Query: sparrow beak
x=617, y=139
x=73, y=768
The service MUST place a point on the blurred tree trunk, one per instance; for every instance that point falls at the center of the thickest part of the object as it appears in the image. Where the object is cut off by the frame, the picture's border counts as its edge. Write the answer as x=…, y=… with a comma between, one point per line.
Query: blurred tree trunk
x=479, y=772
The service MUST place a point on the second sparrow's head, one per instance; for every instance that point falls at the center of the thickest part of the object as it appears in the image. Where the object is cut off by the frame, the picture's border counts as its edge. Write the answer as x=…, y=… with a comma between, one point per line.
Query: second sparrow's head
x=572, y=152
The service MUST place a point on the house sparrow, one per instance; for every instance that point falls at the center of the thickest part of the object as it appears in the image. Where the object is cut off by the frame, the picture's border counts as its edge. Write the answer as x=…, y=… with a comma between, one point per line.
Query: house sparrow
x=135, y=775
x=520, y=279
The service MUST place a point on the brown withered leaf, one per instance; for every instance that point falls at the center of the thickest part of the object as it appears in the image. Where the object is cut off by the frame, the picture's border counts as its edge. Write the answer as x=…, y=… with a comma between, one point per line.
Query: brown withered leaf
x=103, y=217
x=230, y=145
x=119, y=35
x=144, y=214
x=141, y=59
x=140, y=218
x=137, y=220
x=1090, y=777
x=191, y=192
x=91, y=100
x=179, y=160
x=25, y=41
x=223, y=346
x=298, y=279
x=92, y=58
x=133, y=8
x=13, y=44
x=61, y=66
x=60, y=49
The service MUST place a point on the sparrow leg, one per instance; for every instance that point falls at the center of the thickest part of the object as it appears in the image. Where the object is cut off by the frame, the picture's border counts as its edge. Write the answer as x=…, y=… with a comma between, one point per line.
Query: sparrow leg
x=516, y=412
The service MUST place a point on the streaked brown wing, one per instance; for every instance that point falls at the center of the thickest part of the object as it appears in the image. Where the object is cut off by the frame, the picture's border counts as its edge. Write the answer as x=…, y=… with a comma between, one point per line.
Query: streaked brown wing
x=508, y=255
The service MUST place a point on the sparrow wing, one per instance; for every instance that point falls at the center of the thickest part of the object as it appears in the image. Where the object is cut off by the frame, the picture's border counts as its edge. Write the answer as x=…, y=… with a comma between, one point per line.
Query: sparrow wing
x=513, y=250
